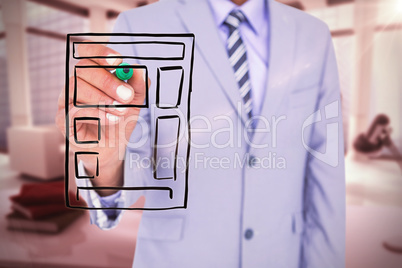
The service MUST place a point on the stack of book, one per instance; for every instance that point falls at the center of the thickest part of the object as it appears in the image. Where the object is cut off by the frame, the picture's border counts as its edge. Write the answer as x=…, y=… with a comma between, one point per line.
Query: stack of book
x=40, y=207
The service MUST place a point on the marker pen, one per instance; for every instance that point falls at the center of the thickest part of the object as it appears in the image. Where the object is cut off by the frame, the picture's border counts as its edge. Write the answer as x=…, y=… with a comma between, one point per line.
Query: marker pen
x=123, y=73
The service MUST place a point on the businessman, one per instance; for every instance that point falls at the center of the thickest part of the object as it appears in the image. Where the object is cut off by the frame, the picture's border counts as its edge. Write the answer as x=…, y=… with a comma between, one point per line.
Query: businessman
x=266, y=172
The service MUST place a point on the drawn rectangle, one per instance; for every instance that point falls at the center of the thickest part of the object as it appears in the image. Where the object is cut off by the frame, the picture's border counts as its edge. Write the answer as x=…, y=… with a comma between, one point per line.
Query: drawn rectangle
x=87, y=119
x=169, y=79
x=166, y=147
x=161, y=50
x=146, y=188
x=97, y=105
x=77, y=173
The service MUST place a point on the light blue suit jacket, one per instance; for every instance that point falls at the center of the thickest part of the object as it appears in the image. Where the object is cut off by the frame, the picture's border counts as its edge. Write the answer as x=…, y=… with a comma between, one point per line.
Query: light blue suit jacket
x=295, y=207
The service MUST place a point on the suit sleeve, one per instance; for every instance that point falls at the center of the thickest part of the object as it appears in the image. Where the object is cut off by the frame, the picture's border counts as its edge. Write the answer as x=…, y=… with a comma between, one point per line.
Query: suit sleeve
x=324, y=199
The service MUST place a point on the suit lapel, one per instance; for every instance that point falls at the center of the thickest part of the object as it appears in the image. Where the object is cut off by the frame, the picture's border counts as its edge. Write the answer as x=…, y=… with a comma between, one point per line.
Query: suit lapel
x=197, y=18
x=281, y=57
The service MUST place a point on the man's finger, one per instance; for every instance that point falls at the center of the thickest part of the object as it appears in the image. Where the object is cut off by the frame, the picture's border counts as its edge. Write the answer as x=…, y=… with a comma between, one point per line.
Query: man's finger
x=105, y=118
x=90, y=95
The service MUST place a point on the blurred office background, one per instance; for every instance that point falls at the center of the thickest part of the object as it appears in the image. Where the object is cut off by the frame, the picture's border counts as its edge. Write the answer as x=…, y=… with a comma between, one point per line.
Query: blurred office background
x=367, y=35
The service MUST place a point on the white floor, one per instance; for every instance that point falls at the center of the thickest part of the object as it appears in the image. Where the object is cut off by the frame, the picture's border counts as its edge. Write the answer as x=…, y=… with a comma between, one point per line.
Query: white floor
x=373, y=183
x=374, y=213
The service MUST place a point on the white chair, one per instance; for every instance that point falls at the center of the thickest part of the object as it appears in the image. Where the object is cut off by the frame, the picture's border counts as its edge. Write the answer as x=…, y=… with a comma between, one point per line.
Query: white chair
x=36, y=151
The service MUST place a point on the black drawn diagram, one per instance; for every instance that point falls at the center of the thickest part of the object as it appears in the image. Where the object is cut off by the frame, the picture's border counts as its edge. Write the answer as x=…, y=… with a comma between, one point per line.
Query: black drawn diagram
x=167, y=59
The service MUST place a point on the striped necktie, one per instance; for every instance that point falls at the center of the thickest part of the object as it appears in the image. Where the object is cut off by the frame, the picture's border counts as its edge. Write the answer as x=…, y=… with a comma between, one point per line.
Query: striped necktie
x=238, y=58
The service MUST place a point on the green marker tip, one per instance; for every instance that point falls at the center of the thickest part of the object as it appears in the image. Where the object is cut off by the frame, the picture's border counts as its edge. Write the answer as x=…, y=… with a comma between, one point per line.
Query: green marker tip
x=124, y=73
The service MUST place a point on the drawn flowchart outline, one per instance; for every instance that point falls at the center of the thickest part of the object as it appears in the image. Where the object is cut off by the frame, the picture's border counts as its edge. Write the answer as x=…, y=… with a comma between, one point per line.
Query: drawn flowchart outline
x=145, y=105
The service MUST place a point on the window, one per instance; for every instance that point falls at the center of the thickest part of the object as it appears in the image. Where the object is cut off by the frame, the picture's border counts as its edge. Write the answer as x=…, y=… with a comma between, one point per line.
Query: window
x=1, y=23
x=337, y=17
x=46, y=32
x=54, y=20
x=386, y=93
x=46, y=58
x=387, y=63
x=4, y=100
x=389, y=12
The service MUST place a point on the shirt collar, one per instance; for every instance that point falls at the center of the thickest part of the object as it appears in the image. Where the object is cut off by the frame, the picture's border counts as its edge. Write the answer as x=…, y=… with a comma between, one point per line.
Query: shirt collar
x=253, y=10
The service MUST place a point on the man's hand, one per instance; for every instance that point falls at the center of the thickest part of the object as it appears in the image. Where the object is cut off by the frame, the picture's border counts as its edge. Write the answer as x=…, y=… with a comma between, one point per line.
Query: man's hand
x=99, y=86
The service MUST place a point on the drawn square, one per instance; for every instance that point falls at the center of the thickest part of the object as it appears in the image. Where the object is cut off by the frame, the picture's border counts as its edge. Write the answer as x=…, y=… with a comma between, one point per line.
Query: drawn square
x=102, y=105
x=169, y=87
x=95, y=158
x=98, y=126
x=166, y=147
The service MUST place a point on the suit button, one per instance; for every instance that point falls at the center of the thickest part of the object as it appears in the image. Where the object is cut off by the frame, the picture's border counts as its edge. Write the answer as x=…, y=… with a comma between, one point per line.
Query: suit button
x=252, y=161
x=248, y=234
